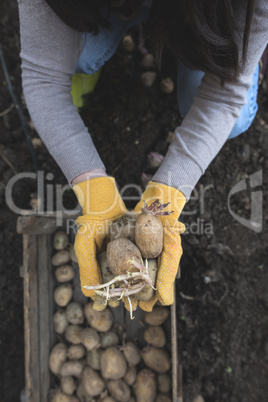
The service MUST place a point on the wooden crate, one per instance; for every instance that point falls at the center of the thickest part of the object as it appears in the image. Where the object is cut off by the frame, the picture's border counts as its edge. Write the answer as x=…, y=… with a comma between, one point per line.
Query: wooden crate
x=39, y=284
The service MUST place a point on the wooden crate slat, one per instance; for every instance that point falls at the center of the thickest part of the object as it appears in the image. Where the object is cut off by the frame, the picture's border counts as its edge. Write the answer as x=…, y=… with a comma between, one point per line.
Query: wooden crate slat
x=31, y=319
x=45, y=301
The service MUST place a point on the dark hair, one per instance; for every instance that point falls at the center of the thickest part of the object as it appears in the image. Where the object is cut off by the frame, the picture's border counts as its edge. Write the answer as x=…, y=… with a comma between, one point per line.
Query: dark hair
x=201, y=33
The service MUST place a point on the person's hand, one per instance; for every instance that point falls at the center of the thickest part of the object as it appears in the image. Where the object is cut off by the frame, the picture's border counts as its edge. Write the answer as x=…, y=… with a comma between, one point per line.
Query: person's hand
x=169, y=259
x=102, y=204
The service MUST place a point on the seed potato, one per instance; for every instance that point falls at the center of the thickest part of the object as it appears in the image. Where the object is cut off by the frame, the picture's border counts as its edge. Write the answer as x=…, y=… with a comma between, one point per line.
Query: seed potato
x=147, y=292
x=145, y=386
x=149, y=235
x=94, y=359
x=119, y=390
x=156, y=359
x=59, y=396
x=72, y=334
x=108, y=339
x=74, y=313
x=131, y=375
x=99, y=320
x=155, y=336
x=68, y=385
x=131, y=353
x=60, y=241
x=63, y=294
x=163, y=383
x=72, y=368
x=60, y=321
x=163, y=398
x=76, y=352
x=89, y=337
x=57, y=357
x=157, y=317
x=106, y=274
x=92, y=382
x=120, y=252
x=124, y=227
x=60, y=258
x=64, y=273
x=113, y=364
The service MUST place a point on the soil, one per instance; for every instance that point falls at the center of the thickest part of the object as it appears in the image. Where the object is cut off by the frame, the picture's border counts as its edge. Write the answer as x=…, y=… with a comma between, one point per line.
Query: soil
x=222, y=294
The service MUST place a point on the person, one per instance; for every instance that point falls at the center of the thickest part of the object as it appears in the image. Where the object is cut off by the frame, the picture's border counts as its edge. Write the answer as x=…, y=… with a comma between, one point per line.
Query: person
x=218, y=45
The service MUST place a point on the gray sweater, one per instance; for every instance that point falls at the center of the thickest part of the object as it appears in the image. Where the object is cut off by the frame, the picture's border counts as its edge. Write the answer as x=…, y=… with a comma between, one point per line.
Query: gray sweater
x=49, y=53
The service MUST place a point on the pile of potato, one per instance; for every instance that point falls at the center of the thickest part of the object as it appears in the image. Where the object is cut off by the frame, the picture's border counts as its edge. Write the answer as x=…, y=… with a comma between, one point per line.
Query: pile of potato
x=90, y=360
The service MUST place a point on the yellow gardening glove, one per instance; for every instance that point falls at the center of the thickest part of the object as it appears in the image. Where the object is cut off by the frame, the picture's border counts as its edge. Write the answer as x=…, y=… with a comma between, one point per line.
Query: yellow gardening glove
x=101, y=203
x=169, y=259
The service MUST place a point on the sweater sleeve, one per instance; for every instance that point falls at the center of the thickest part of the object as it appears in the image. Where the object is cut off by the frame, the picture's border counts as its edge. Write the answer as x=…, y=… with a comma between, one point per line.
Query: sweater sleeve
x=213, y=113
x=49, y=52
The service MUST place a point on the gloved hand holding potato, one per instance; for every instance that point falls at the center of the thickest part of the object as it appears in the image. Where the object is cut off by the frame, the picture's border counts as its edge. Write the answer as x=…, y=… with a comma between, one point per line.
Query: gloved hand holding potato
x=129, y=268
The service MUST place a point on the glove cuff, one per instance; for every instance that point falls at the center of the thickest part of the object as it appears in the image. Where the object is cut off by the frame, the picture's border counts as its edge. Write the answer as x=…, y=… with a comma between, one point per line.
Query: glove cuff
x=99, y=198
x=165, y=194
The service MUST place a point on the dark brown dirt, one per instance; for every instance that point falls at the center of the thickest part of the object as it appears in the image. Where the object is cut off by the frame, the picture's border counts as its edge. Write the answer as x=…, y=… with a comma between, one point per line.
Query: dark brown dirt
x=222, y=294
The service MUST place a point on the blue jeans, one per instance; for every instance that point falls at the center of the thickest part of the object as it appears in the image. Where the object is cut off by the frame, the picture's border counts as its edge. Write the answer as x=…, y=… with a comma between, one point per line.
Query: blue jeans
x=98, y=49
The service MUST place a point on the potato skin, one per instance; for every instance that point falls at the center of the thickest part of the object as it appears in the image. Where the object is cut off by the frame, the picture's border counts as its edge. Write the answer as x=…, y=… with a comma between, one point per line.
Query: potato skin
x=163, y=383
x=157, y=317
x=60, y=321
x=113, y=364
x=147, y=292
x=163, y=398
x=156, y=359
x=72, y=334
x=131, y=375
x=72, y=368
x=60, y=258
x=155, y=336
x=119, y=390
x=74, y=313
x=92, y=382
x=76, y=352
x=64, y=273
x=93, y=359
x=108, y=339
x=119, y=252
x=68, y=385
x=145, y=386
x=57, y=357
x=63, y=294
x=124, y=227
x=106, y=274
x=89, y=337
x=99, y=320
x=131, y=353
x=149, y=235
